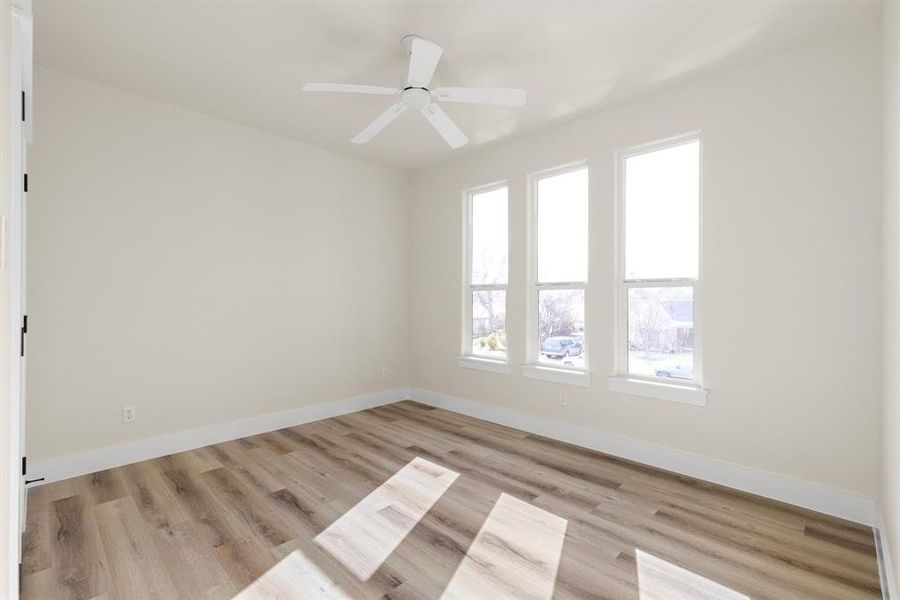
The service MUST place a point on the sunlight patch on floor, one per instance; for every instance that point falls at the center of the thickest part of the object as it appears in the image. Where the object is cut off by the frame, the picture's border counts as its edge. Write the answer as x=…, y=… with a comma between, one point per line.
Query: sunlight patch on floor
x=294, y=576
x=363, y=537
x=515, y=554
x=659, y=579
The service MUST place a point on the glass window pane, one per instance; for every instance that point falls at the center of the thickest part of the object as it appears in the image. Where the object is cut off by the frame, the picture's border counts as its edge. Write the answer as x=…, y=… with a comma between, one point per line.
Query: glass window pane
x=489, y=323
x=662, y=213
x=489, y=237
x=661, y=332
x=561, y=327
x=562, y=213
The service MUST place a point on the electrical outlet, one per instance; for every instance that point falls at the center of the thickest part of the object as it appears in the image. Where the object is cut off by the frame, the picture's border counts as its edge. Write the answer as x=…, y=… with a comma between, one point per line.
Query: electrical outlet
x=563, y=399
x=128, y=414
x=384, y=373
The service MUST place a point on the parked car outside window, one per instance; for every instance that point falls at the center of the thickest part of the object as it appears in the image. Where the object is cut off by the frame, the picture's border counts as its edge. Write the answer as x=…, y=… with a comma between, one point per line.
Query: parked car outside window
x=682, y=370
x=561, y=347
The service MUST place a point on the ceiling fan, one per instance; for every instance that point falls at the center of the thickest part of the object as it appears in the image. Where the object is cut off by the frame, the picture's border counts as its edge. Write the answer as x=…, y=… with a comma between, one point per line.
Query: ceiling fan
x=415, y=94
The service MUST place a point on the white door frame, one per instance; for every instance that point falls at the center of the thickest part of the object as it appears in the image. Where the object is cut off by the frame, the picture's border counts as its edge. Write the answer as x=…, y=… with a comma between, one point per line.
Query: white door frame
x=15, y=133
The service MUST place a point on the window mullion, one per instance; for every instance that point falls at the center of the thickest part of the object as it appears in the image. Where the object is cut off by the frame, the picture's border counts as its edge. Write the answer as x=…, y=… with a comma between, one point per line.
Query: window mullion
x=487, y=287
x=660, y=283
x=666, y=281
x=571, y=285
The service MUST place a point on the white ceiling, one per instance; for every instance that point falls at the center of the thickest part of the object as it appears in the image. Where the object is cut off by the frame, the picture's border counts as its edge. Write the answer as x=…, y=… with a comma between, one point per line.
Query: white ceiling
x=245, y=61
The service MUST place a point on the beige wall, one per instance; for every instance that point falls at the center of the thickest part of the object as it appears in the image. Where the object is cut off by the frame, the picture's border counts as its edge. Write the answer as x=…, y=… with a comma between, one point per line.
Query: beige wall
x=199, y=270
x=792, y=205
x=890, y=413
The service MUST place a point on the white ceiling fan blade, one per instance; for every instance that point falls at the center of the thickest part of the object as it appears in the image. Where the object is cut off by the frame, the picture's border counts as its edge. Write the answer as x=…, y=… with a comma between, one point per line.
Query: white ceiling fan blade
x=423, y=60
x=447, y=128
x=383, y=120
x=501, y=96
x=350, y=88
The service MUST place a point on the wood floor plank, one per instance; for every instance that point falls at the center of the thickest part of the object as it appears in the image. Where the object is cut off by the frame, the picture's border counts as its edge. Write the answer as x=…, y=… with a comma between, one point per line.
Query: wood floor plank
x=661, y=580
x=722, y=558
x=515, y=554
x=221, y=591
x=204, y=511
x=192, y=461
x=133, y=563
x=242, y=505
x=245, y=560
x=190, y=563
x=364, y=537
x=101, y=486
x=41, y=584
x=310, y=572
x=157, y=503
x=297, y=573
x=329, y=510
x=36, y=540
x=79, y=561
x=248, y=468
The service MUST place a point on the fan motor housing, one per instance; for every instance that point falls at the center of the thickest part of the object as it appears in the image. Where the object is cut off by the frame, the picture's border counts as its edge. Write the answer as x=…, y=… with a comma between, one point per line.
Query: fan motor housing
x=415, y=97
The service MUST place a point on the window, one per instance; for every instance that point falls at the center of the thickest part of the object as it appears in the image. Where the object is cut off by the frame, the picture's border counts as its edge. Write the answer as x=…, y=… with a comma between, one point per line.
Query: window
x=560, y=269
x=660, y=263
x=486, y=274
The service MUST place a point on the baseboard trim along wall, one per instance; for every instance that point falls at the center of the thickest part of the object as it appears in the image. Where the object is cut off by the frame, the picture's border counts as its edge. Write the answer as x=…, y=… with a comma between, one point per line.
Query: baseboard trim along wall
x=81, y=463
x=846, y=505
x=816, y=497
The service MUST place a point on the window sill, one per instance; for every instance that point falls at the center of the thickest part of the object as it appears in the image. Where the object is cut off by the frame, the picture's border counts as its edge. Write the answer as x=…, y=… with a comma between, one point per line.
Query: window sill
x=566, y=376
x=484, y=364
x=685, y=394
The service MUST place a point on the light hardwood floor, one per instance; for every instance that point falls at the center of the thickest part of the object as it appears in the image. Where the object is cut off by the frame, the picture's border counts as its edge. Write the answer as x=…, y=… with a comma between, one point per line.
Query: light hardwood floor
x=410, y=502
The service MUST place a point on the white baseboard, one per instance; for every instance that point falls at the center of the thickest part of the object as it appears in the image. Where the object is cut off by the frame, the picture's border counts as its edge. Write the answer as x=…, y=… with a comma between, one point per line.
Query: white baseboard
x=846, y=505
x=885, y=566
x=81, y=463
x=816, y=497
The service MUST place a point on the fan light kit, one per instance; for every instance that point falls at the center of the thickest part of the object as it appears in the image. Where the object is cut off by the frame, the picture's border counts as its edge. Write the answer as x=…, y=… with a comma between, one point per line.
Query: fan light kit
x=415, y=94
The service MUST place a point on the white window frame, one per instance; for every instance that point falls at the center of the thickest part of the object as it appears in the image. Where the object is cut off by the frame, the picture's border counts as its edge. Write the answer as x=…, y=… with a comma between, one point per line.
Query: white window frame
x=645, y=385
x=534, y=368
x=467, y=357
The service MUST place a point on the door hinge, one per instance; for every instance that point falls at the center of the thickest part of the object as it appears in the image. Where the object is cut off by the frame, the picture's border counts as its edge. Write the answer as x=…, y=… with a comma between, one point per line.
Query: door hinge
x=26, y=182
x=25, y=469
x=22, y=336
x=23, y=106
